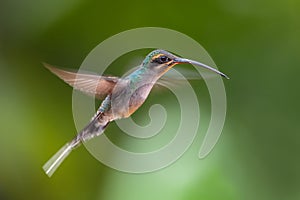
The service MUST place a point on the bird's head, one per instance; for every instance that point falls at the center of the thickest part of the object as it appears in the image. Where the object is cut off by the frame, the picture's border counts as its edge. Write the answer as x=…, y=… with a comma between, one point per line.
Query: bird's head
x=161, y=61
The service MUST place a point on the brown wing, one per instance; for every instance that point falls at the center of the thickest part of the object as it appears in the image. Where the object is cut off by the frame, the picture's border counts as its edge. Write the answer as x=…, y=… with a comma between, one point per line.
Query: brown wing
x=98, y=86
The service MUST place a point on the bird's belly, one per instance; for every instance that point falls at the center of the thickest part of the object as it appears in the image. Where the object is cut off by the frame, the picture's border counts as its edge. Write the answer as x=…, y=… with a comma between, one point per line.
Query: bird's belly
x=134, y=104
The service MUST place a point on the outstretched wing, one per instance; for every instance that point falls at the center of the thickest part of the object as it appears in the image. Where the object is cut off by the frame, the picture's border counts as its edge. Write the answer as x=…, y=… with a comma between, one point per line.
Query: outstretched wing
x=95, y=85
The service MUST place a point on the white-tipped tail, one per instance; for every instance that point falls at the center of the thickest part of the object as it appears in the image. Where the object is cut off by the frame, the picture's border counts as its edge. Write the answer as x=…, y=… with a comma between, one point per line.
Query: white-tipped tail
x=54, y=162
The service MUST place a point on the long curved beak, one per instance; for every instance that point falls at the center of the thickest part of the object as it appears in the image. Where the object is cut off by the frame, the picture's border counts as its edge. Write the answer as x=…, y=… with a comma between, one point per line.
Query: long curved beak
x=184, y=60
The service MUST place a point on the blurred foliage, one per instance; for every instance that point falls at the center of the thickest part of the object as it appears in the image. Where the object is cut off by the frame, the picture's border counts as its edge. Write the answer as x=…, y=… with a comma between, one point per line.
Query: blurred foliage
x=255, y=42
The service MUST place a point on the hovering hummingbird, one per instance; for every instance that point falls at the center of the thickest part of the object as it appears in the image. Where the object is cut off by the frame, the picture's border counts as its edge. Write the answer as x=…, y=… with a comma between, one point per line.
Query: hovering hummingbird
x=122, y=96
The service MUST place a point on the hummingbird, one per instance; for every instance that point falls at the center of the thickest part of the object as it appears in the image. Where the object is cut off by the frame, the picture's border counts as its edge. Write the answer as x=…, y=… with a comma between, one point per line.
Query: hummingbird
x=121, y=96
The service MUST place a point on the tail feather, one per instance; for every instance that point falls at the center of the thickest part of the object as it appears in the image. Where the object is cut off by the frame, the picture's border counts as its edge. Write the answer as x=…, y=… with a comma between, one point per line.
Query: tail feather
x=90, y=131
x=54, y=162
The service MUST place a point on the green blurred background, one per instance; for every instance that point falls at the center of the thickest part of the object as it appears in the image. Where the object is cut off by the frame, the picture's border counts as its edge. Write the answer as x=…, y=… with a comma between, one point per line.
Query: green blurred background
x=257, y=44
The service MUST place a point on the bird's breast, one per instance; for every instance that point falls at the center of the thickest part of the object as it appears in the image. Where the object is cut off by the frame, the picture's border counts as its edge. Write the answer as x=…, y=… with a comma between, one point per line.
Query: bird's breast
x=138, y=97
x=127, y=100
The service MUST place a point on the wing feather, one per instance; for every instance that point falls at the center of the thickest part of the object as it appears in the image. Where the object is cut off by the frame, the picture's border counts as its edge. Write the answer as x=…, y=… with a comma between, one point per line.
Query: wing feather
x=95, y=85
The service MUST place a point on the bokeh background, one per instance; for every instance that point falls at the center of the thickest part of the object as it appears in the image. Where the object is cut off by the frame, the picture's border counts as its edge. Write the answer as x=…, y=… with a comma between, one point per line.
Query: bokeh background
x=256, y=43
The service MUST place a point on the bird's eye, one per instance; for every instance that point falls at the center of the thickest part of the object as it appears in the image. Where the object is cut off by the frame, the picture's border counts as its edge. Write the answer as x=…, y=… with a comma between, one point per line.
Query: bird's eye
x=163, y=59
